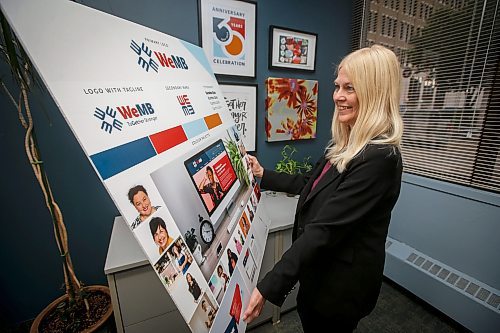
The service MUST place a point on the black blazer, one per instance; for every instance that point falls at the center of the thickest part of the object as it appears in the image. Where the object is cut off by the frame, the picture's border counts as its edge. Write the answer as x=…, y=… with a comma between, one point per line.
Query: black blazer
x=339, y=234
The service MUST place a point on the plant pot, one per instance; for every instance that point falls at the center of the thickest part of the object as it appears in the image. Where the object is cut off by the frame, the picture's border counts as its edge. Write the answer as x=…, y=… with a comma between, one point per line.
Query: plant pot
x=52, y=306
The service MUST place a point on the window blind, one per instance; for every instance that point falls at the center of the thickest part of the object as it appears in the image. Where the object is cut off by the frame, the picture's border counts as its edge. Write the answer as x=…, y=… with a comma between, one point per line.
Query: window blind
x=450, y=95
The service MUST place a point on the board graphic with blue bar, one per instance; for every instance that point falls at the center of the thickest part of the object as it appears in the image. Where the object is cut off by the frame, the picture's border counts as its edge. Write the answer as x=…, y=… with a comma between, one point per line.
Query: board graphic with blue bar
x=115, y=160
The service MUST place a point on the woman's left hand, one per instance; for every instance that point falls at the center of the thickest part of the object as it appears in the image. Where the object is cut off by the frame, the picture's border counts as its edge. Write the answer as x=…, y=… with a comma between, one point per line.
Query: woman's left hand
x=254, y=307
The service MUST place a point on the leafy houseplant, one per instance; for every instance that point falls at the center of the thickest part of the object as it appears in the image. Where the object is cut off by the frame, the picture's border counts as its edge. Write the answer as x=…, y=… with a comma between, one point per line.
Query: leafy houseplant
x=291, y=166
x=81, y=308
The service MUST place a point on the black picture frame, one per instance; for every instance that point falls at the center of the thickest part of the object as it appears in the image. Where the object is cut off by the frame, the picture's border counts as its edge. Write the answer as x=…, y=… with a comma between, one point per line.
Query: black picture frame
x=292, y=49
x=251, y=88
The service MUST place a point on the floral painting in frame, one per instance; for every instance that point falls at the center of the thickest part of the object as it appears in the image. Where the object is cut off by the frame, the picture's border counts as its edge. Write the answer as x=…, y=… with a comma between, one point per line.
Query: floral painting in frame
x=291, y=109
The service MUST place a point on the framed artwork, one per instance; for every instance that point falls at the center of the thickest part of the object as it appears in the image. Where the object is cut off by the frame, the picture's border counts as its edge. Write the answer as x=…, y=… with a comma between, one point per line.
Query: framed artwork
x=291, y=109
x=228, y=35
x=292, y=49
x=241, y=100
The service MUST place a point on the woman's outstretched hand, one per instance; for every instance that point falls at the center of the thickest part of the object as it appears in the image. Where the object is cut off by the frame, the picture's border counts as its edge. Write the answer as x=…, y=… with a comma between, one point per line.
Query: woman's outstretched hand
x=254, y=307
x=257, y=169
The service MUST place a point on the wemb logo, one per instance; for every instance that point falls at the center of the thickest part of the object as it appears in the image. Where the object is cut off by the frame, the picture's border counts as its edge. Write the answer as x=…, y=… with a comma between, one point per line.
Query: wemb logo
x=186, y=106
x=171, y=61
x=146, y=61
x=109, y=117
x=130, y=112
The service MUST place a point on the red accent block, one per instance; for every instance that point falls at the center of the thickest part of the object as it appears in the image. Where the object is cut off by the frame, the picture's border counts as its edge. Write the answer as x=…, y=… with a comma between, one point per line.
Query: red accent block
x=167, y=139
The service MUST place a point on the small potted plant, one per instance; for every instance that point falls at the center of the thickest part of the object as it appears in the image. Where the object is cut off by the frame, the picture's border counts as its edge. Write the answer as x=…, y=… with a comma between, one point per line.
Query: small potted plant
x=291, y=166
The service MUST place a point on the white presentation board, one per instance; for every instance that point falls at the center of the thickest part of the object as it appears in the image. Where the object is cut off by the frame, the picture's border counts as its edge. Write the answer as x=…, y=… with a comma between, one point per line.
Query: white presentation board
x=148, y=112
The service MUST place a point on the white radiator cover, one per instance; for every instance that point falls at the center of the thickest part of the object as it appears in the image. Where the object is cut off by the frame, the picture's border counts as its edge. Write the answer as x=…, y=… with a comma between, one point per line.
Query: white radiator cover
x=466, y=300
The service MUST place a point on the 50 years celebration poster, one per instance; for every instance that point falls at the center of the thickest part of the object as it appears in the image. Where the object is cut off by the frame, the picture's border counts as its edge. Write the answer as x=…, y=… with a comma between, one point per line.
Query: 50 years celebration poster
x=149, y=114
x=228, y=35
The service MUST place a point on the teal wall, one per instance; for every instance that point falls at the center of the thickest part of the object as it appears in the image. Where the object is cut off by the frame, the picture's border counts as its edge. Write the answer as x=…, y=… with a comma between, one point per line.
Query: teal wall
x=31, y=271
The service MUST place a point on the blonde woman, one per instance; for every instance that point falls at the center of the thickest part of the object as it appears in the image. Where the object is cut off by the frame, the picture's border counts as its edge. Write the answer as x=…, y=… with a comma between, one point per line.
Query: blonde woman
x=345, y=203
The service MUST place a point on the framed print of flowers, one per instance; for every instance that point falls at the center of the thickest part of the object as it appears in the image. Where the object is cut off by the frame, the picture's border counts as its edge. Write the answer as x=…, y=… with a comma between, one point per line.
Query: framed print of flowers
x=291, y=109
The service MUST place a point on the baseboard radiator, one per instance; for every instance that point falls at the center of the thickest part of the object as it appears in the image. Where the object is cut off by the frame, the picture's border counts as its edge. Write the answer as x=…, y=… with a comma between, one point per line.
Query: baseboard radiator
x=466, y=300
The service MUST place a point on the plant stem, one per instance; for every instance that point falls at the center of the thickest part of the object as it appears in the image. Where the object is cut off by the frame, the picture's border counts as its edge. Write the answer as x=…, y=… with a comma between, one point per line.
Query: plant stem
x=72, y=283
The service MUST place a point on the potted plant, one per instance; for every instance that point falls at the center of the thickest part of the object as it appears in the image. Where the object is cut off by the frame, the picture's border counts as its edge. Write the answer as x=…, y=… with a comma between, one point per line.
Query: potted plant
x=291, y=166
x=81, y=308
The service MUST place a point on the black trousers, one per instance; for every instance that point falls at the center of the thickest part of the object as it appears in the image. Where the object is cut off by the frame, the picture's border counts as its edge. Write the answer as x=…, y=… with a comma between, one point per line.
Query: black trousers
x=312, y=322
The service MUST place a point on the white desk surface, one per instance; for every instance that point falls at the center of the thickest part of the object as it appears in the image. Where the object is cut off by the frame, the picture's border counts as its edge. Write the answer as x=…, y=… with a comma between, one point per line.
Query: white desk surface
x=280, y=209
x=125, y=253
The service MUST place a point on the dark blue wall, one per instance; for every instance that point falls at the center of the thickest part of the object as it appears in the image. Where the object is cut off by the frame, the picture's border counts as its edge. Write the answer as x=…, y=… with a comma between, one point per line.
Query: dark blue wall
x=331, y=20
x=31, y=271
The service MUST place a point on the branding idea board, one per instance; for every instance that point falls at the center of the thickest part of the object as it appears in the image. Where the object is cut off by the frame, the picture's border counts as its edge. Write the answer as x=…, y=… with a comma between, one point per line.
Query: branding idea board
x=152, y=120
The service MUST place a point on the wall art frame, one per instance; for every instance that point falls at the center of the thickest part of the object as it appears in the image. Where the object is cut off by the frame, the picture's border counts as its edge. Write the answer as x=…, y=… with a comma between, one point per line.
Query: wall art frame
x=228, y=35
x=241, y=100
x=292, y=49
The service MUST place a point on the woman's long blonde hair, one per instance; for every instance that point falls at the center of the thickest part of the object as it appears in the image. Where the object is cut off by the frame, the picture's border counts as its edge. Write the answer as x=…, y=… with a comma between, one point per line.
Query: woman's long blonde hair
x=375, y=75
